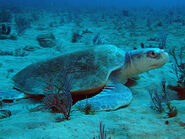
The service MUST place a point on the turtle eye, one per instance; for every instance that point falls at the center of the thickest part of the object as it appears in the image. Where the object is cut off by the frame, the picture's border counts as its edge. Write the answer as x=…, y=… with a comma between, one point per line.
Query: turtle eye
x=152, y=54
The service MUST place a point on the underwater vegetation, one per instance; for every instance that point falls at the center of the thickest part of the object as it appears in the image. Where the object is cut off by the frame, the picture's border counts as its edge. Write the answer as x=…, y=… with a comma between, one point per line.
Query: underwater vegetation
x=62, y=102
x=5, y=29
x=87, y=109
x=57, y=97
x=161, y=102
x=21, y=23
x=5, y=32
x=179, y=68
x=29, y=35
x=75, y=37
x=102, y=134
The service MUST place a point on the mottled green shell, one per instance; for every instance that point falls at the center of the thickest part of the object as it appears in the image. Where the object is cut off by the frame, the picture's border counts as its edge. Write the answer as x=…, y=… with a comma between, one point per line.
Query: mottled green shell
x=88, y=69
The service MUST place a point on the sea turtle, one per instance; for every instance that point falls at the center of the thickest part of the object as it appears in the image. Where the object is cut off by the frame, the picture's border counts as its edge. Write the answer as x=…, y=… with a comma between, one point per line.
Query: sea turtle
x=104, y=69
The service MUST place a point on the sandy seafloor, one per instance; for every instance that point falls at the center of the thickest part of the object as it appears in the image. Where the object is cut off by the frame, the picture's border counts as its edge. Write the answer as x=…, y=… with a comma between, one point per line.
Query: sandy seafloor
x=137, y=121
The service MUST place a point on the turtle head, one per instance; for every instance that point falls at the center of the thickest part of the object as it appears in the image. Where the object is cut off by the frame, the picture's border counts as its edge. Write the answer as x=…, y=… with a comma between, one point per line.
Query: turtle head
x=146, y=59
x=139, y=61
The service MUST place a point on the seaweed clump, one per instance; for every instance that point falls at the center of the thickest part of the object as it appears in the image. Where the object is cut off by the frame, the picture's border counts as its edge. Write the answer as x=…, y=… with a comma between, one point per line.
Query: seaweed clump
x=5, y=32
x=161, y=102
x=87, y=109
x=102, y=134
x=75, y=37
x=57, y=97
x=5, y=29
x=179, y=68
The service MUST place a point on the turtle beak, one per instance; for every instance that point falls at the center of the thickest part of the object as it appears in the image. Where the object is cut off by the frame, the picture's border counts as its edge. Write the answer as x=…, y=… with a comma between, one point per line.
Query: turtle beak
x=165, y=56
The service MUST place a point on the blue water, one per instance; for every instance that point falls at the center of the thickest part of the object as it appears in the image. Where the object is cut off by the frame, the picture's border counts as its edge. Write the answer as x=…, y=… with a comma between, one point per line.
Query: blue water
x=104, y=3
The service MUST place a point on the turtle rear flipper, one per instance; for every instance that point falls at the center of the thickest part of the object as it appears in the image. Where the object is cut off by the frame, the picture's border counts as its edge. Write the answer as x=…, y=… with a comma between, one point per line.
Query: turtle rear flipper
x=10, y=96
x=112, y=97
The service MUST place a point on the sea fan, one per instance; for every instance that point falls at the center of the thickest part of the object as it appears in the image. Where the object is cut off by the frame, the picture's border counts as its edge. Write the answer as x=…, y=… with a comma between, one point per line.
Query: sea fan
x=102, y=134
x=58, y=98
x=159, y=100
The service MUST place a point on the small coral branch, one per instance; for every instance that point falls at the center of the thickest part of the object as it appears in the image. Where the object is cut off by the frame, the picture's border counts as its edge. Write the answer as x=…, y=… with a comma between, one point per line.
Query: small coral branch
x=172, y=110
x=5, y=29
x=180, y=65
x=57, y=96
x=161, y=100
x=103, y=134
x=179, y=68
x=156, y=100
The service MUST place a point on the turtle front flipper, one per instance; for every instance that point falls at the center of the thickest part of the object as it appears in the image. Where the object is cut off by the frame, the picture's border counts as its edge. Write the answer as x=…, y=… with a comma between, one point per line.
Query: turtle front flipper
x=10, y=96
x=112, y=97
